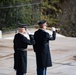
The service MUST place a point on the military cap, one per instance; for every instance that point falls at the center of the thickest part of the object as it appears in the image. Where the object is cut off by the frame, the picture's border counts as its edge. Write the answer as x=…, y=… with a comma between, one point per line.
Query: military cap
x=41, y=22
x=22, y=25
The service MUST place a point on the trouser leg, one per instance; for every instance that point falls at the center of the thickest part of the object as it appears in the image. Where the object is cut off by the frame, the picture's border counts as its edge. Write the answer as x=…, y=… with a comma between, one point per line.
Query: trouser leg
x=44, y=71
x=41, y=71
x=19, y=73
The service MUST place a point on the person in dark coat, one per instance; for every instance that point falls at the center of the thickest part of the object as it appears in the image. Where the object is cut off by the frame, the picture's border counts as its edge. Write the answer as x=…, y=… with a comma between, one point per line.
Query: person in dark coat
x=20, y=54
x=41, y=47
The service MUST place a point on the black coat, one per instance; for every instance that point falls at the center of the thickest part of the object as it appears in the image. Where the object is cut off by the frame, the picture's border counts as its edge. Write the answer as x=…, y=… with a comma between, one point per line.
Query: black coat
x=42, y=49
x=20, y=56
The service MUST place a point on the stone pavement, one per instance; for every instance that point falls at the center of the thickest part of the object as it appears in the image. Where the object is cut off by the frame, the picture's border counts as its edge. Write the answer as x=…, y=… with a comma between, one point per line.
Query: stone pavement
x=63, y=52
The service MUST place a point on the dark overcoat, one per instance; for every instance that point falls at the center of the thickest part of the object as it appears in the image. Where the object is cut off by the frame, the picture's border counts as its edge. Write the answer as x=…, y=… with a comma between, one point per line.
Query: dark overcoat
x=20, y=56
x=41, y=48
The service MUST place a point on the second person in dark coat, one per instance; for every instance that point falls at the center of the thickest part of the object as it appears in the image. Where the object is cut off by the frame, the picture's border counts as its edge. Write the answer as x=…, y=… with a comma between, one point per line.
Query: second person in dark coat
x=41, y=47
x=20, y=53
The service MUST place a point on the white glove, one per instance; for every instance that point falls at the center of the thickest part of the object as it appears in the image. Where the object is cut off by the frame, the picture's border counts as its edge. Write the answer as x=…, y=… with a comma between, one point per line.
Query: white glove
x=53, y=29
x=28, y=32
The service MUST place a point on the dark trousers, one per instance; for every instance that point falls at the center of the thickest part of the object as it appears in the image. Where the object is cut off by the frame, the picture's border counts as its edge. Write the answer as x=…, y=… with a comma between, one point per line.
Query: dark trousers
x=41, y=71
x=19, y=73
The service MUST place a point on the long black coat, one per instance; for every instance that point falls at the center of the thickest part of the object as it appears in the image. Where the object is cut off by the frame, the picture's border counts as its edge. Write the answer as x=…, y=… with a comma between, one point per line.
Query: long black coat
x=20, y=57
x=42, y=49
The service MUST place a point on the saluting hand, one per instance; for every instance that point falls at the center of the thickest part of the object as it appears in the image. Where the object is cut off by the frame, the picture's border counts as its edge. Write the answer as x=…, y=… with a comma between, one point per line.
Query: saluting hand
x=28, y=32
x=53, y=29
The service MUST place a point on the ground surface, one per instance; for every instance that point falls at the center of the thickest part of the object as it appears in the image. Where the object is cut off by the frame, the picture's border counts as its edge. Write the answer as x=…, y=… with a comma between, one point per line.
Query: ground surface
x=63, y=52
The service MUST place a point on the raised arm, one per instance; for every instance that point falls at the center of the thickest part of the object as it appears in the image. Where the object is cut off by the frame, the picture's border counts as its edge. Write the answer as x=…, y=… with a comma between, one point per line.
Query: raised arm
x=53, y=37
x=31, y=41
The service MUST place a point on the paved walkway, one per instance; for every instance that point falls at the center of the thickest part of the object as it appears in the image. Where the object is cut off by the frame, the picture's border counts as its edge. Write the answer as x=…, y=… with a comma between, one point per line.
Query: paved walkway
x=63, y=52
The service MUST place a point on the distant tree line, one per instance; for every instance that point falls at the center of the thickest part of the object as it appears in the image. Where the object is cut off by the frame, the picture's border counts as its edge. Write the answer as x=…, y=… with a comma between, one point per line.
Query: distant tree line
x=61, y=14
x=57, y=13
x=68, y=18
x=18, y=11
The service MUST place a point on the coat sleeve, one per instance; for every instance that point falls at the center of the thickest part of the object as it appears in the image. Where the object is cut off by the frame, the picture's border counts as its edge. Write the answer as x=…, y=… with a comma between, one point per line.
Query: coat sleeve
x=49, y=37
x=31, y=41
x=14, y=42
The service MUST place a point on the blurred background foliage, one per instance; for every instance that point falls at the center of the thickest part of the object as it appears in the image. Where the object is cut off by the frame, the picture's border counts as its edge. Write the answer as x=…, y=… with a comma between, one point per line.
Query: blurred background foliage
x=58, y=13
x=18, y=11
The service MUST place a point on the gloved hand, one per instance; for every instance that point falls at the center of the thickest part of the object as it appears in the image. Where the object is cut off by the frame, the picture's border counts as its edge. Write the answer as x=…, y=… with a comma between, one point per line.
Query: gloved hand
x=53, y=29
x=28, y=32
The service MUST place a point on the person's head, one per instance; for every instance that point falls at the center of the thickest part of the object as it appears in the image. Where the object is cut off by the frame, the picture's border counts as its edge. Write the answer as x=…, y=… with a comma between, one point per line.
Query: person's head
x=22, y=29
x=42, y=24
